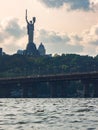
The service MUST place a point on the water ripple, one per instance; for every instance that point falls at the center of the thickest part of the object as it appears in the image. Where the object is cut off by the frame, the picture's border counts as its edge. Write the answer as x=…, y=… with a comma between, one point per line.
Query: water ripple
x=46, y=114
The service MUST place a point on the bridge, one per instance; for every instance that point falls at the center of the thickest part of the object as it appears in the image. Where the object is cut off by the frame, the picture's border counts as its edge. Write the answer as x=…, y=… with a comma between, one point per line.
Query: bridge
x=53, y=86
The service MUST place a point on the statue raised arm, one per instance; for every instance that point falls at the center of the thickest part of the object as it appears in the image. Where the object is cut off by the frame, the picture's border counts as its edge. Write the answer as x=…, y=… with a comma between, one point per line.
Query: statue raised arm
x=30, y=28
x=34, y=20
x=26, y=17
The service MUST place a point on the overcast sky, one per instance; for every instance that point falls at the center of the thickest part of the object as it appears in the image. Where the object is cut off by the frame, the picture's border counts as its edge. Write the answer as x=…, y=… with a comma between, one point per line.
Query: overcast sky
x=63, y=26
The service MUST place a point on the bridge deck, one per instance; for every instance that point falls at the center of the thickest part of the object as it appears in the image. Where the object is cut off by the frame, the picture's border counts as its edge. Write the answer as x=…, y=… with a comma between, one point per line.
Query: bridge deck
x=45, y=78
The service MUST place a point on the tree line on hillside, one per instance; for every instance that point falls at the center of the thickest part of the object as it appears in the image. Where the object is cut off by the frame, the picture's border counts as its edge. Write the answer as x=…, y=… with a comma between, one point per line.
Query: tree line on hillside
x=20, y=65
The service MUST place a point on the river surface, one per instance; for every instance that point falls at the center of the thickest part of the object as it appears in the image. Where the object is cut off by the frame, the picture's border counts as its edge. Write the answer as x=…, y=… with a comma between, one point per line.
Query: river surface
x=49, y=114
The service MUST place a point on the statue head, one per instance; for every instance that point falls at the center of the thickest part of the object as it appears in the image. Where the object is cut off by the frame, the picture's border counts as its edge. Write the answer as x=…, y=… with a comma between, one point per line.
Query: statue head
x=30, y=22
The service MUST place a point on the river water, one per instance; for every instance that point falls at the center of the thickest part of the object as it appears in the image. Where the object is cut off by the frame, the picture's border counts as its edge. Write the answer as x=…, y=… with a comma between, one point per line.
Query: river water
x=49, y=114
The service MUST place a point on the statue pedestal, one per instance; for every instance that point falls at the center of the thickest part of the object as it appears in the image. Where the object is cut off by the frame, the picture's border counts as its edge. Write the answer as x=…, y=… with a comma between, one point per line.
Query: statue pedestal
x=31, y=49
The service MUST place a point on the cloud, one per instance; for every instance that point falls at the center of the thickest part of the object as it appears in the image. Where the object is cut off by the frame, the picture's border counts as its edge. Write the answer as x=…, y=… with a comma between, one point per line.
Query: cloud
x=10, y=28
x=52, y=37
x=77, y=38
x=84, y=43
x=58, y=43
x=90, y=40
x=74, y=48
x=94, y=42
x=11, y=35
x=94, y=4
x=1, y=37
x=96, y=31
x=13, y=29
x=91, y=36
x=85, y=5
x=53, y=3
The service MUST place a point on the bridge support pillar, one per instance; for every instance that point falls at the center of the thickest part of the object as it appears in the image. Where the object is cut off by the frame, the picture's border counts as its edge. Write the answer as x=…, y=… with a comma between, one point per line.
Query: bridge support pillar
x=95, y=85
x=86, y=88
x=53, y=90
x=5, y=91
x=8, y=89
x=29, y=90
x=58, y=89
x=64, y=86
x=24, y=91
x=34, y=90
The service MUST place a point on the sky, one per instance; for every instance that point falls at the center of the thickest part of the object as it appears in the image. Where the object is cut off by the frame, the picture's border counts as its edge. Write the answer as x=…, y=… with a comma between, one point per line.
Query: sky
x=63, y=26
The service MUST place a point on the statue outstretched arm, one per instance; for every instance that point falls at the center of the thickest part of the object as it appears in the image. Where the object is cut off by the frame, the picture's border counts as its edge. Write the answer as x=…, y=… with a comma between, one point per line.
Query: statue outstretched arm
x=26, y=17
x=34, y=19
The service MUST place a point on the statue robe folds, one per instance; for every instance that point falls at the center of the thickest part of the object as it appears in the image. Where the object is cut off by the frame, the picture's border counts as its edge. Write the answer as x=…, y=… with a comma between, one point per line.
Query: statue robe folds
x=30, y=28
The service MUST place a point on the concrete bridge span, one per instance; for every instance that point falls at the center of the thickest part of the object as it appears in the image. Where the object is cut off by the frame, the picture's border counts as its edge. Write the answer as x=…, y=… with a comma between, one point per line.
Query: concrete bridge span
x=63, y=85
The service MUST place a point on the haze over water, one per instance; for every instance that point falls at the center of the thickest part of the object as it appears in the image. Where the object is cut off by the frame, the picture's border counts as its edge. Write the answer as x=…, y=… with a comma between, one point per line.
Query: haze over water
x=49, y=114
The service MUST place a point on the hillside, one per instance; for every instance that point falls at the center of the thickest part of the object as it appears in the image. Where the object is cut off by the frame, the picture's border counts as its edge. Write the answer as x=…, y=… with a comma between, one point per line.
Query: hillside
x=19, y=65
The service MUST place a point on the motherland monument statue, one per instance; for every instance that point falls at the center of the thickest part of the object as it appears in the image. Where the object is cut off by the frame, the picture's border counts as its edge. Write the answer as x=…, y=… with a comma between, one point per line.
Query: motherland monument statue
x=31, y=47
x=30, y=28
